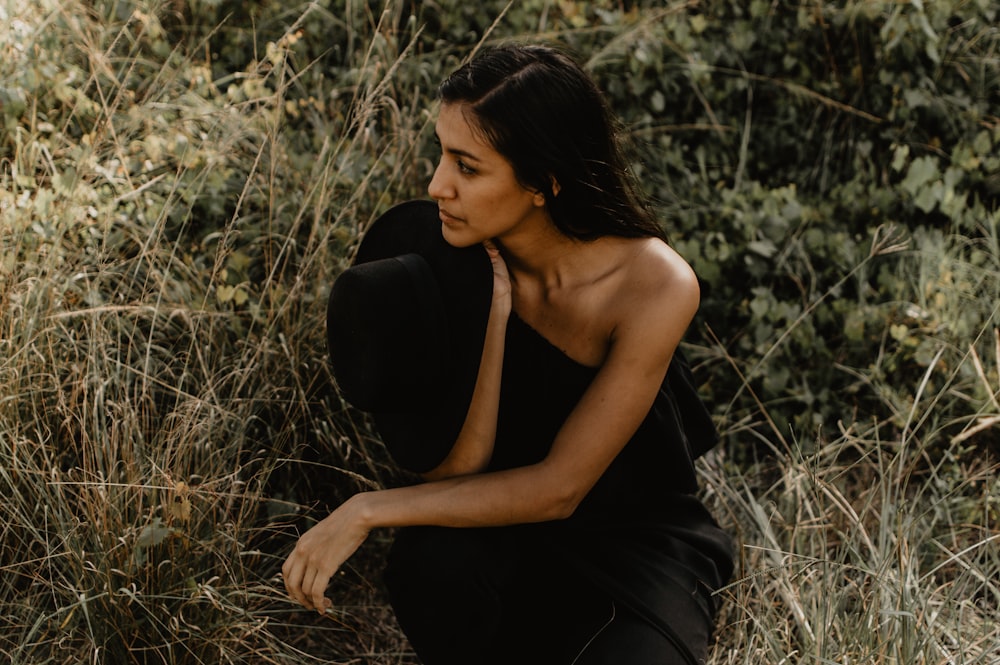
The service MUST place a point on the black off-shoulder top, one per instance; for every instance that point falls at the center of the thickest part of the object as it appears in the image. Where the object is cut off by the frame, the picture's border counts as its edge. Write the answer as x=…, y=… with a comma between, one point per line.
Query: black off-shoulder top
x=642, y=534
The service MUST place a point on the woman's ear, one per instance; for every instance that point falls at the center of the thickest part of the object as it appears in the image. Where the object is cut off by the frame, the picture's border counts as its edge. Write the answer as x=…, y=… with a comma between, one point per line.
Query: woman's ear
x=540, y=195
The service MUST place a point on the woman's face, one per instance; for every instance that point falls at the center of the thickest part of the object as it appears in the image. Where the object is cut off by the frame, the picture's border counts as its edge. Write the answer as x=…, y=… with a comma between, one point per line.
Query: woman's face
x=477, y=193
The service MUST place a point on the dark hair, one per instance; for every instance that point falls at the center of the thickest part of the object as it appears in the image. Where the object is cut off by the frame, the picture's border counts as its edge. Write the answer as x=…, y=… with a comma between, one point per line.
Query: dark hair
x=540, y=110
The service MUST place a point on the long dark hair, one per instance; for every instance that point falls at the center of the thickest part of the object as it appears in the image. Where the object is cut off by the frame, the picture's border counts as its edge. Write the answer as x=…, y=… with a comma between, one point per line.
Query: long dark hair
x=540, y=110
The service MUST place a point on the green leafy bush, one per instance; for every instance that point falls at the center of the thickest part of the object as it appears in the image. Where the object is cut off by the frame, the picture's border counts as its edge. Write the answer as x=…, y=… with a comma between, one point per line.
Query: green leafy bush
x=793, y=150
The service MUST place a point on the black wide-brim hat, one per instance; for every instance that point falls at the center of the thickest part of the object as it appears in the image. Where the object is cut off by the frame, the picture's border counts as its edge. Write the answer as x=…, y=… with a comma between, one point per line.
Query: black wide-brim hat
x=405, y=330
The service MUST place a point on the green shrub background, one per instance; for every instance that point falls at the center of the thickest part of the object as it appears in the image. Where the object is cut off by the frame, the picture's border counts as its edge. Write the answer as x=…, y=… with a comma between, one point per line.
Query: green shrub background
x=181, y=181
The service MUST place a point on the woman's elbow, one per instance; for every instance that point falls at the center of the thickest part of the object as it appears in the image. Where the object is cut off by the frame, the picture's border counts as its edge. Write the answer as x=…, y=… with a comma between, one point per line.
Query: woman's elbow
x=563, y=501
x=562, y=510
x=558, y=491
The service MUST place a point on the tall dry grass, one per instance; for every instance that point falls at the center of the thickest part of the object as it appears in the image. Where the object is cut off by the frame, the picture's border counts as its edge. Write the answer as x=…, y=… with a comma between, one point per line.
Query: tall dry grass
x=879, y=543
x=167, y=421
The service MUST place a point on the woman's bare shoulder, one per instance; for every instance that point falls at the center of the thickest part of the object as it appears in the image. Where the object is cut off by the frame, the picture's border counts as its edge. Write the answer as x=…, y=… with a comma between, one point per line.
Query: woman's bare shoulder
x=658, y=275
x=659, y=292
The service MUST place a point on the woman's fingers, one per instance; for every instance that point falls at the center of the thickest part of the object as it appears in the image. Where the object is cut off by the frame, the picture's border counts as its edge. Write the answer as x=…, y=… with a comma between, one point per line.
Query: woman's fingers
x=320, y=553
x=292, y=573
x=305, y=583
x=317, y=598
x=501, y=277
x=306, y=588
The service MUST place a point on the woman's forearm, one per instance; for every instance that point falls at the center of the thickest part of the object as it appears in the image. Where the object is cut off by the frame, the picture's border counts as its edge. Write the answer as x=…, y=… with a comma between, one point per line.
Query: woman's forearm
x=474, y=447
x=514, y=496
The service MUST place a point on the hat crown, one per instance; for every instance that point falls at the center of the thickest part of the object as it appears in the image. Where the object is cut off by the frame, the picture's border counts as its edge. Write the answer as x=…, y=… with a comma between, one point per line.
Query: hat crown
x=405, y=330
x=388, y=333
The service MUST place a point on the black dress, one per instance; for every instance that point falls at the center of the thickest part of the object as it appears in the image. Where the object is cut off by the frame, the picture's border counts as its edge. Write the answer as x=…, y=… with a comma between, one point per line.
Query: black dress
x=640, y=538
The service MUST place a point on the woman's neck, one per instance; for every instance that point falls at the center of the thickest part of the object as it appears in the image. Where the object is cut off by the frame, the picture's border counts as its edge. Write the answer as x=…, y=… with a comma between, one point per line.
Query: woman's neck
x=544, y=255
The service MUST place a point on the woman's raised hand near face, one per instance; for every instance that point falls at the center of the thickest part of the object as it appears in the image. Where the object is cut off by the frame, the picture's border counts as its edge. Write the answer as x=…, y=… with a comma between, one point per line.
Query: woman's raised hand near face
x=501, y=279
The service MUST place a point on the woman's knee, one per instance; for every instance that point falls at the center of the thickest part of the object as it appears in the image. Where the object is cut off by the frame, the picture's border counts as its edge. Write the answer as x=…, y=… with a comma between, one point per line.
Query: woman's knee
x=456, y=567
x=436, y=556
x=444, y=586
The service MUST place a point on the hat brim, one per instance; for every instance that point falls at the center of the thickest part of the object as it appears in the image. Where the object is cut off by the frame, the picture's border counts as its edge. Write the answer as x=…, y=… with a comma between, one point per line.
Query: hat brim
x=420, y=432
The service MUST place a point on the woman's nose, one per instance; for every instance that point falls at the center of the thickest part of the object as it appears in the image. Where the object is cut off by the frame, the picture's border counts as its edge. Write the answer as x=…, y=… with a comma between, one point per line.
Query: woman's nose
x=438, y=188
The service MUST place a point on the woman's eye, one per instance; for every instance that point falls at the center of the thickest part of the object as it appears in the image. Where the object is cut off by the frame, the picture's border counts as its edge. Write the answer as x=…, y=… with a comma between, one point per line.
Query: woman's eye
x=465, y=168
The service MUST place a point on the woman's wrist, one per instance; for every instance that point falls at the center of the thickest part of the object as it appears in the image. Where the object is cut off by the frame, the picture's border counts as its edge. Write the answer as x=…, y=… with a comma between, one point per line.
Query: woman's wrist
x=500, y=310
x=361, y=509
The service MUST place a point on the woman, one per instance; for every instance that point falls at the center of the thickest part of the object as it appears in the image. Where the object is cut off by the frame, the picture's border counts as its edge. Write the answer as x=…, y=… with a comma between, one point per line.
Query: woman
x=562, y=524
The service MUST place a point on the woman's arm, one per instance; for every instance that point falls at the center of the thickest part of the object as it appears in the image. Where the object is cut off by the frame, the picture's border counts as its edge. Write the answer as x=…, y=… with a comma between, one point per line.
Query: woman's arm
x=604, y=420
x=643, y=341
x=474, y=446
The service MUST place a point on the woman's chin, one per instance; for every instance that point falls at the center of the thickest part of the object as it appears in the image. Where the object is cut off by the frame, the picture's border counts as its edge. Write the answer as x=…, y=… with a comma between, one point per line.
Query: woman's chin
x=454, y=236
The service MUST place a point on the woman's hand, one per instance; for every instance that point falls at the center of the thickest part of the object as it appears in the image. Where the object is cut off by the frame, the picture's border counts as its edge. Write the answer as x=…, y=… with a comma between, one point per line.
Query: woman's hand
x=320, y=552
x=501, y=279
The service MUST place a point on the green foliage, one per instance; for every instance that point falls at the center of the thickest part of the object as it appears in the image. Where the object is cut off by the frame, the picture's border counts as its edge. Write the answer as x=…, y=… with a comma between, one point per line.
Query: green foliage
x=181, y=180
x=783, y=142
